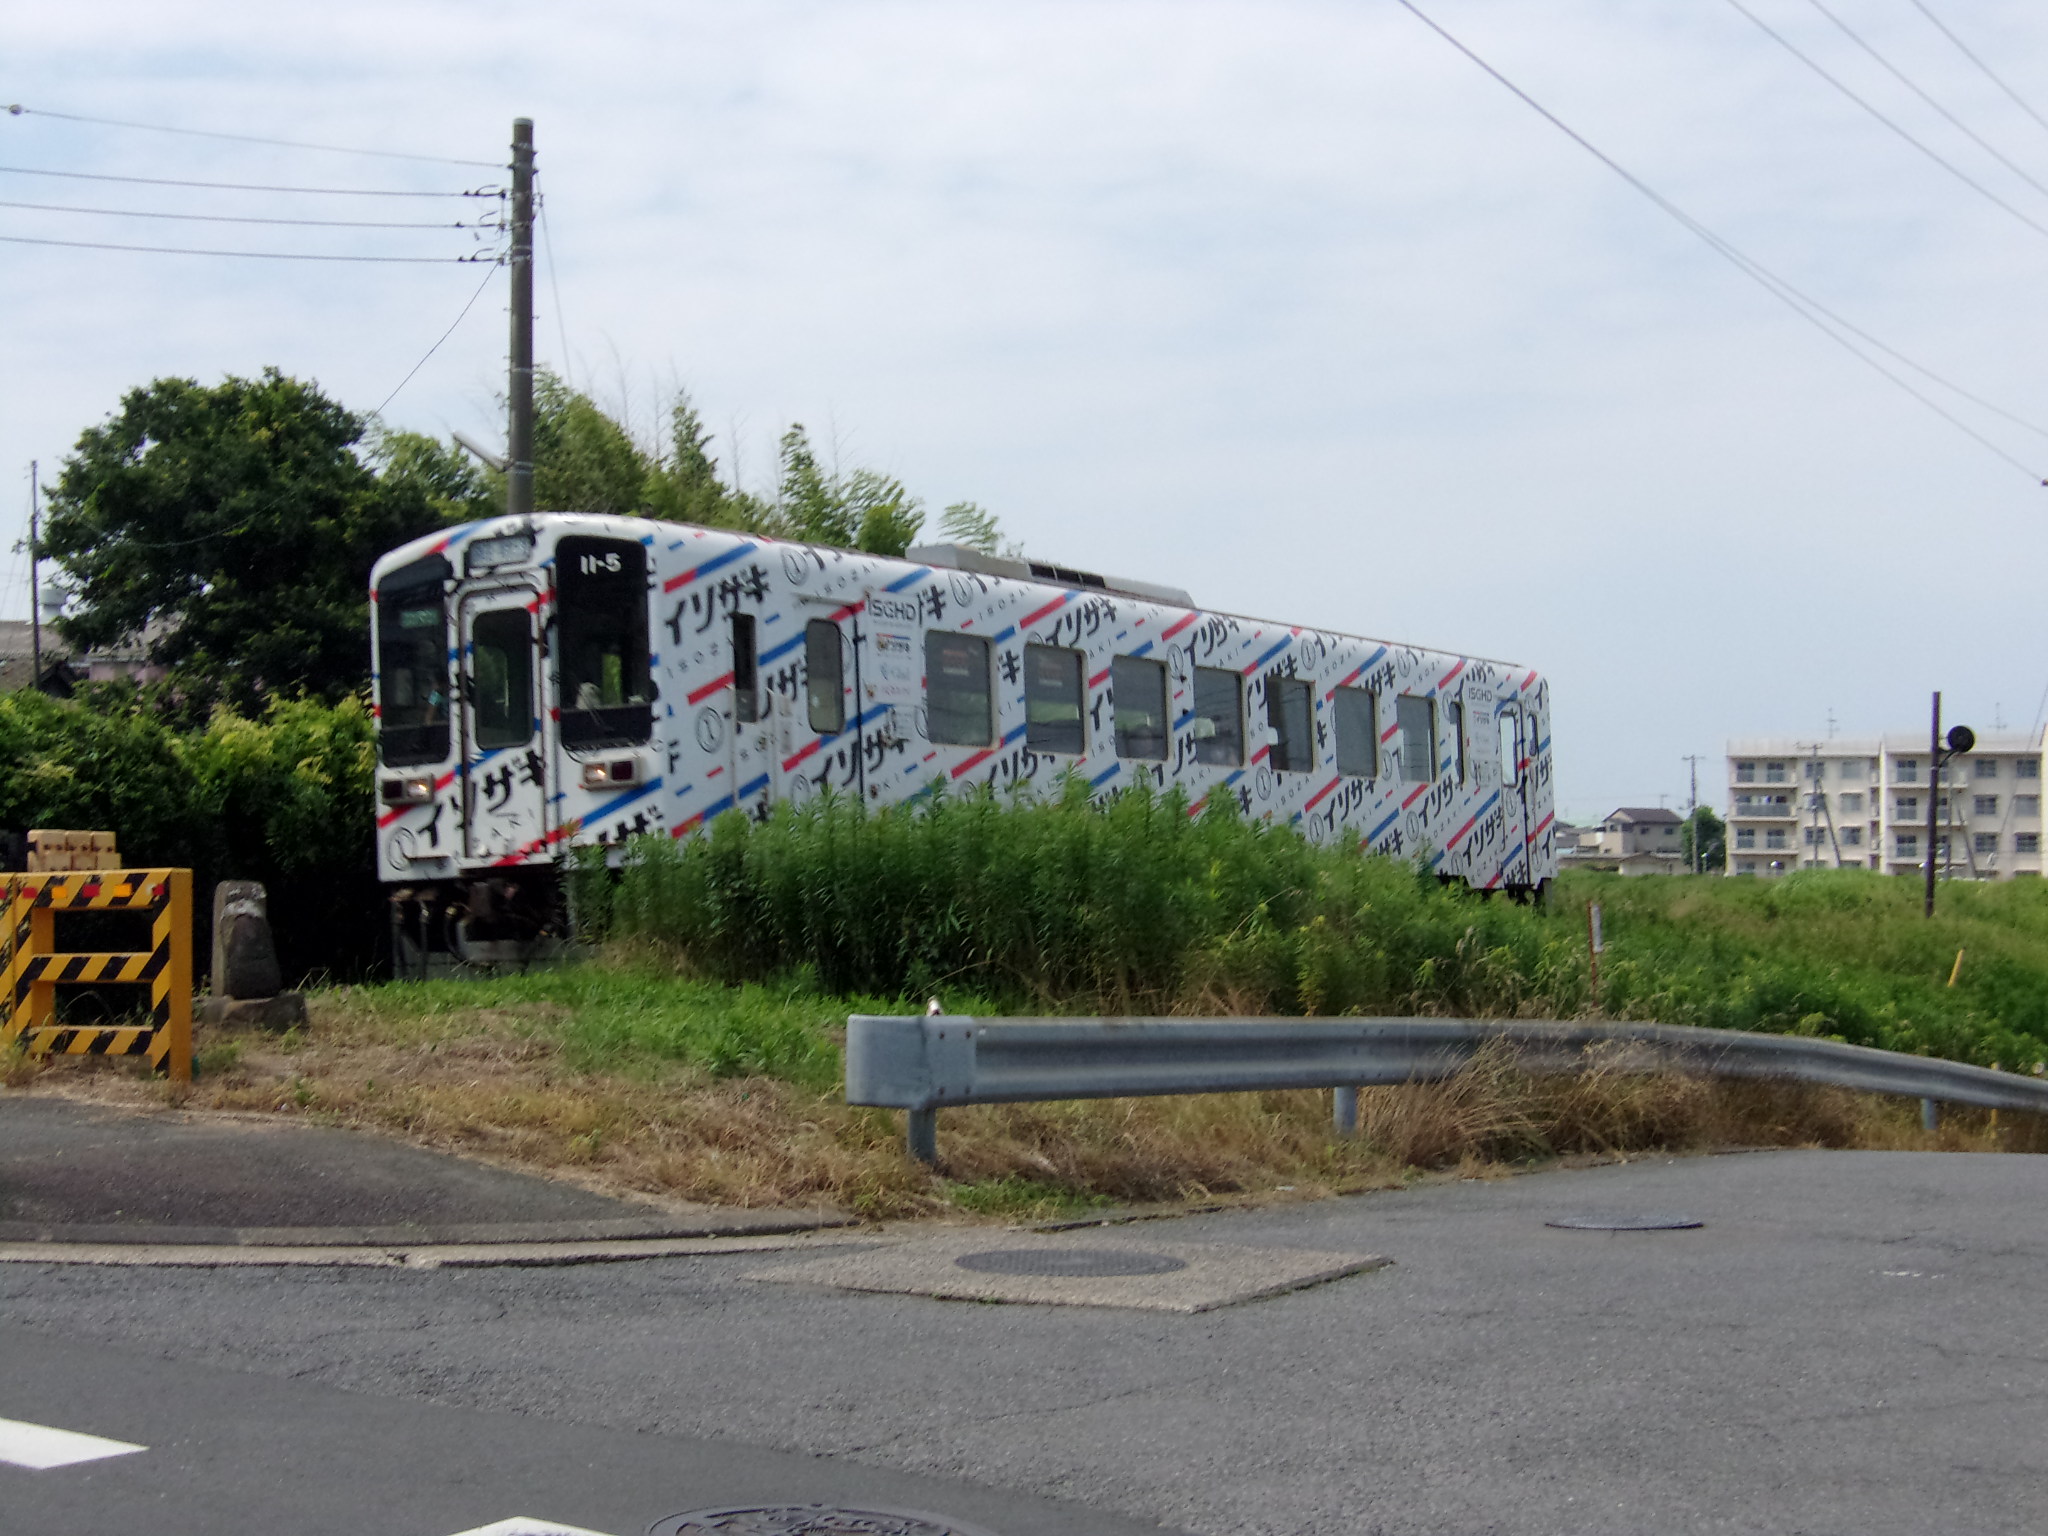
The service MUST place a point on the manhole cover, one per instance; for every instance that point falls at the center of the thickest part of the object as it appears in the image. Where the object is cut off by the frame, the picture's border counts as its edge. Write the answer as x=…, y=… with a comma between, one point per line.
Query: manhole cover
x=1074, y=1263
x=811, y=1520
x=1652, y=1223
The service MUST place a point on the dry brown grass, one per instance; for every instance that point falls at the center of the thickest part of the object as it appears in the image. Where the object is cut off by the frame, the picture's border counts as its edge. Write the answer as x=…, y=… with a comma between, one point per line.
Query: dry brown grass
x=489, y=1083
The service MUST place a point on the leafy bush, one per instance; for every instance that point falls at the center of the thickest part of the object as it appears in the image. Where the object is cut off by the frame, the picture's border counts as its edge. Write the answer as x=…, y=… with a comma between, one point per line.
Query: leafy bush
x=286, y=799
x=1140, y=906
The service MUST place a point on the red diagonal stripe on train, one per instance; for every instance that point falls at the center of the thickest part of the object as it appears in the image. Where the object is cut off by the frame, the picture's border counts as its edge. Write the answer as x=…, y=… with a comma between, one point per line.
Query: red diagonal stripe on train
x=980, y=757
x=1318, y=795
x=1168, y=634
x=723, y=680
x=1445, y=681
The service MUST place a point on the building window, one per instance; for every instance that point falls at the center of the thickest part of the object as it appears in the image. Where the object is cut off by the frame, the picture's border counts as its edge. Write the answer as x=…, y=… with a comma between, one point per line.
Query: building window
x=1984, y=842
x=1909, y=845
x=1906, y=770
x=2027, y=768
x=1774, y=837
x=1852, y=837
x=1138, y=702
x=1984, y=805
x=1850, y=771
x=1851, y=803
x=1813, y=770
x=1745, y=837
x=958, y=705
x=1053, y=700
x=1745, y=773
x=1287, y=712
x=1815, y=837
x=1219, y=717
x=1358, y=733
x=1745, y=866
x=2026, y=805
x=1987, y=767
x=2026, y=842
x=1774, y=773
x=1908, y=808
x=1417, y=719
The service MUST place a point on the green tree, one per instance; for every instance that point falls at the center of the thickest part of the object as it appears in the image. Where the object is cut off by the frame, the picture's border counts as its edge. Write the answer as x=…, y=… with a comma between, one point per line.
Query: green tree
x=973, y=526
x=583, y=461
x=1705, y=831
x=450, y=482
x=231, y=529
x=683, y=484
x=862, y=509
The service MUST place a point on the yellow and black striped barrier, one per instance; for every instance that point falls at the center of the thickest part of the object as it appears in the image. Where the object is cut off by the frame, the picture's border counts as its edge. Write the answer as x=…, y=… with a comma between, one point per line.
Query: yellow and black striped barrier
x=34, y=966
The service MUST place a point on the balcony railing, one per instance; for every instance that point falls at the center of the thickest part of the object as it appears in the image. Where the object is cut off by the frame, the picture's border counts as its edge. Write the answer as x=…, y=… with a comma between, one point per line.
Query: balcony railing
x=1751, y=808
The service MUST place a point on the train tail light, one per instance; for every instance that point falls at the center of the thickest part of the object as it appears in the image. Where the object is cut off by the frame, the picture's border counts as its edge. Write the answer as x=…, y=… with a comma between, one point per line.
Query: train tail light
x=413, y=791
x=612, y=773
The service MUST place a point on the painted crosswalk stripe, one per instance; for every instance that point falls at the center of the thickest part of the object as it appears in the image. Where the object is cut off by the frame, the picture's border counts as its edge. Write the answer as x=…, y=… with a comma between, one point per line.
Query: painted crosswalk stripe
x=526, y=1525
x=39, y=1447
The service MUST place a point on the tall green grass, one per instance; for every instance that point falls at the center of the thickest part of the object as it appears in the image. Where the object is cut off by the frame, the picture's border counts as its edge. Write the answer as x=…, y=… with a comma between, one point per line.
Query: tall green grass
x=1067, y=905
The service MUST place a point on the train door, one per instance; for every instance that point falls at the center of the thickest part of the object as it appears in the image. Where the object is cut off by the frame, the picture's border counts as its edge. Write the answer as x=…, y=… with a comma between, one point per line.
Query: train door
x=1514, y=797
x=504, y=777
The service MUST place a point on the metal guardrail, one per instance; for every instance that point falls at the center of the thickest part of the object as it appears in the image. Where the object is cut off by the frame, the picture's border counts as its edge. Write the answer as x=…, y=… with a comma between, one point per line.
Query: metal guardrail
x=927, y=1064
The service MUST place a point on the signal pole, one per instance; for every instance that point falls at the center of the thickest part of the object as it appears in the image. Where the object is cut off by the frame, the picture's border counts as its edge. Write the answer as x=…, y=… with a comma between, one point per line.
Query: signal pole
x=1933, y=788
x=519, y=428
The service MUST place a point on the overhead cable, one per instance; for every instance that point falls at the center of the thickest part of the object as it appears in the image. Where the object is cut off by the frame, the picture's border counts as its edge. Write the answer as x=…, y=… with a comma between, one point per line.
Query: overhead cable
x=17, y=110
x=1989, y=73
x=231, y=218
x=242, y=186
x=1926, y=149
x=1960, y=126
x=416, y=367
x=1809, y=310
x=169, y=250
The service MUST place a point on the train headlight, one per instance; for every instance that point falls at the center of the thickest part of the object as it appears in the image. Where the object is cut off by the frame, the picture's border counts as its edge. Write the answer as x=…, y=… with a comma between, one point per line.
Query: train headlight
x=413, y=791
x=612, y=773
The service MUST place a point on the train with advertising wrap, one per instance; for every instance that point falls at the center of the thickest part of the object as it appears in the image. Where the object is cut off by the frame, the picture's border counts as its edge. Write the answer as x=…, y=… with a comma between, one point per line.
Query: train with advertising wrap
x=568, y=680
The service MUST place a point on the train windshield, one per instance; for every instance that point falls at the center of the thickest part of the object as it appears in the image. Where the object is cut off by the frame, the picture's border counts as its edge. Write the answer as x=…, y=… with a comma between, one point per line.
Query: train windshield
x=601, y=604
x=412, y=664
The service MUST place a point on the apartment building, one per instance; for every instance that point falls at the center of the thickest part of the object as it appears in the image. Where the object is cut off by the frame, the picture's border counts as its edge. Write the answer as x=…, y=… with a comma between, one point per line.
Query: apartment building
x=1861, y=803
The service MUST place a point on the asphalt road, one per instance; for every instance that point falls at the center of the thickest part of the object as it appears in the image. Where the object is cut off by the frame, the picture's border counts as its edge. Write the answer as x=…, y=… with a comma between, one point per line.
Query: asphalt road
x=1852, y=1343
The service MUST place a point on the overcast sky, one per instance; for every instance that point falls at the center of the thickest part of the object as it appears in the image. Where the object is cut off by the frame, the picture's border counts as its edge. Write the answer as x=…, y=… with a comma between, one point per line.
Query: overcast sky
x=1286, y=303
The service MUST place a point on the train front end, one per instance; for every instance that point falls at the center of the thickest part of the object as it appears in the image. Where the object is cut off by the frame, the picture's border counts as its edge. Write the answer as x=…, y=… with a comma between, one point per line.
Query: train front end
x=510, y=668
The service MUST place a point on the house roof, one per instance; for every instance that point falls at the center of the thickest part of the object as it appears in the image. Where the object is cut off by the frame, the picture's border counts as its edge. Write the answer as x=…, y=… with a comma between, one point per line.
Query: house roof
x=1640, y=814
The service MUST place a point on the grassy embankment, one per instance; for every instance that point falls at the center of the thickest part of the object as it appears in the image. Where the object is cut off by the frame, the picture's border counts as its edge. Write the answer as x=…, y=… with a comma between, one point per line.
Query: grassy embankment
x=699, y=1057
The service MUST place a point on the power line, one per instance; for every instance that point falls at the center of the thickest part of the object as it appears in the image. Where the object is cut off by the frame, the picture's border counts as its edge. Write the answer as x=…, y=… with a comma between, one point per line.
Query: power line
x=555, y=287
x=1900, y=75
x=171, y=250
x=230, y=218
x=16, y=110
x=416, y=367
x=1807, y=309
x=1989, y=73
x=1931, y=153
x=242, y=186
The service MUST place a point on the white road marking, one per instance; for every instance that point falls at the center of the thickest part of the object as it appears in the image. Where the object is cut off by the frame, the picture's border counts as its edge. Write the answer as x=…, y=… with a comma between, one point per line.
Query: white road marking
x=38, y=1447
x=526, y=1525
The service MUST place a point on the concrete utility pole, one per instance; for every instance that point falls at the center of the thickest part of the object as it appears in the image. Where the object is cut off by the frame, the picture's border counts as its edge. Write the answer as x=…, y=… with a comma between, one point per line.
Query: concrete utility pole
x=519, y=428
x=1692, y=805
x=35, y=586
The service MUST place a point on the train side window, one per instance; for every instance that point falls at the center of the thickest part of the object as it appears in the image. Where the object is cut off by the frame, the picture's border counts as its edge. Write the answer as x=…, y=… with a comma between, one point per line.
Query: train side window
x=605, y=694
x=1358, y=733
x=1219, y=717
x=1138, y=689
x=412, y=664
x=1417, y=719
x=1454, y=712
x=1510, y=747
x=501, y=675
x=746, y=669
x=958, y=704
x=1287, y=712
x=824, y=677
x=1052, y=700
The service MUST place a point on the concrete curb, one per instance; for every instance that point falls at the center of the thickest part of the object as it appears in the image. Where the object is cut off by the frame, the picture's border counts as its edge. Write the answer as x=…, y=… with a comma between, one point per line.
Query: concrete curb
x=619, y=1229
x=405, y=1256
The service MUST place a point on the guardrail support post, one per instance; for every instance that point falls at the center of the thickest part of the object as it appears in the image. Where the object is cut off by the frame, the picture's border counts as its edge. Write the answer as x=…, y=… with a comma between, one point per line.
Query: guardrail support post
x=1930, y=1115
x=1344, y=1111
x=922, y=1135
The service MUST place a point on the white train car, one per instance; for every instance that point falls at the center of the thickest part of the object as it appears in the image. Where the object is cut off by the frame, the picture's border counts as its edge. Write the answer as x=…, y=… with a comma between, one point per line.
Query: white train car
x=567, y=680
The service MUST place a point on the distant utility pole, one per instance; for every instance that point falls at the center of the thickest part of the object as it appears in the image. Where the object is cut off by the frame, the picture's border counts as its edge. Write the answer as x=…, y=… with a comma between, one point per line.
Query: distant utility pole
x=1692, y=805
x=519, y=428
x=35, y=586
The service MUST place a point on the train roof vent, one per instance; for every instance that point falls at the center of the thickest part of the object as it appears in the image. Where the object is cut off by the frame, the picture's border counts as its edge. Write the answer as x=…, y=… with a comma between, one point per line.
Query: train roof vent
x=958, y=557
